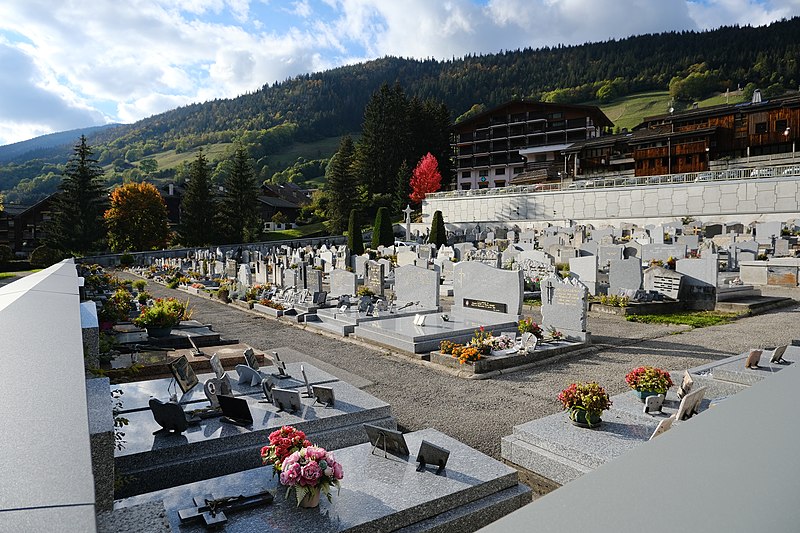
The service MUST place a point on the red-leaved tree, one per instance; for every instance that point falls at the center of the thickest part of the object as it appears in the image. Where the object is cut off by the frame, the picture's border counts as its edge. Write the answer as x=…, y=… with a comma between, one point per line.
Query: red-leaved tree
x=425, y=179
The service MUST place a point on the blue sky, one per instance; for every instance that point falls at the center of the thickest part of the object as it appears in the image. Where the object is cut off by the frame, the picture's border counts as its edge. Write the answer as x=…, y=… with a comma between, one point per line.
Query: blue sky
x=73, y=64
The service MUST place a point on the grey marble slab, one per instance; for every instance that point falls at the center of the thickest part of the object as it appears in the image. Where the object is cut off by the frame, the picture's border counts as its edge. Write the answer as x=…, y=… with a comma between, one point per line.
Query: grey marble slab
x=377, y=494
x=733, y=370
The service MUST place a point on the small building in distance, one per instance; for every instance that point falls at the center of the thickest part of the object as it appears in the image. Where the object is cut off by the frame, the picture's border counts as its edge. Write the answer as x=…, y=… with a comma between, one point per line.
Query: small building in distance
x=23, y=228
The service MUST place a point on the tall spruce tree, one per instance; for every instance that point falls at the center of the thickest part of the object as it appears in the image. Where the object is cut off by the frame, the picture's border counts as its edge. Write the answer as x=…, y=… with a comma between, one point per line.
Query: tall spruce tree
x=355, y=240
x=402, y=188
x=341, y=186
x=239, y=219
x=77, y=225
x=384, y=142
x=197, y=226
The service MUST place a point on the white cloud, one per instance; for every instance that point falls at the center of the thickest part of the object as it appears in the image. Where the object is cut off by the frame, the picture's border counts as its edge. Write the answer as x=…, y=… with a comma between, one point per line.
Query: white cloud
x=139, y=57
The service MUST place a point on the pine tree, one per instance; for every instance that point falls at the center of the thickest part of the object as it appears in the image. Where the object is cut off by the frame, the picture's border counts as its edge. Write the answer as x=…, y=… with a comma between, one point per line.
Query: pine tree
x=197, y=225
x=355, y=240
x=437, y=235
x=341, y=186
x=382, y=234
x=77, y=223
x=239, y=218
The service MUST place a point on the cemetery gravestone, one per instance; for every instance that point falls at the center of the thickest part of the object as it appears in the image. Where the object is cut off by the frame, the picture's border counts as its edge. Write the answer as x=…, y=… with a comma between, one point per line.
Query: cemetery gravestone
x=624, y=275
x=585, y=270
x=483, y=293
x=565, y=306
x=414, y=284
x=375, y=278
x=666, y=282
x=342, y=283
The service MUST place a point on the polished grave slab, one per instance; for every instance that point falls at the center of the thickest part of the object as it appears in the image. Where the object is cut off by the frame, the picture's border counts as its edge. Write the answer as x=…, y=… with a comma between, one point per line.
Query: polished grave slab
x=401, y=333
x=377, y=494
x=344, y=322
x=211, y=448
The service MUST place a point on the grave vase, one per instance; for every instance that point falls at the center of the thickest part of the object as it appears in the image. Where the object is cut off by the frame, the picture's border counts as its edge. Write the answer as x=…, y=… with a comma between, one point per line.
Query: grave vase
x=158, y=332
x=582, y=419
x=644, y=394
x=311, y=500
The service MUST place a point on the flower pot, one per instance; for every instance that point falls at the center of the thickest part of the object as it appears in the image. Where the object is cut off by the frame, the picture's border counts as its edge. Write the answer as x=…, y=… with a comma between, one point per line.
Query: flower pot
x=311, y=499
x=582, y=419
x=158, y=332
x=644, y=394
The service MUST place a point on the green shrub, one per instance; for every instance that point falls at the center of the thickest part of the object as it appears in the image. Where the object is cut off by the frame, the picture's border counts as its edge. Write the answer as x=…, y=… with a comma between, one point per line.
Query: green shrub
x=438, y=235
x=139, y=284
x=382, y=234
x=355, y=240
x=44, y=256
x=126, y=260
x=6, y=254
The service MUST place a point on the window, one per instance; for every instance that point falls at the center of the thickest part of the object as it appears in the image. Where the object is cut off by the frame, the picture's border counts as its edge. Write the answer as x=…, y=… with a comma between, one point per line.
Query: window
x=465, y=186
x=651, y=163
x=664, y=162
x=499, y=172
x=483, y=173
x=466, y=174
x=761, y=127
x=483, y=185
x=500, y=183
x=688, y=160
x=517, y=170
x=780, y=126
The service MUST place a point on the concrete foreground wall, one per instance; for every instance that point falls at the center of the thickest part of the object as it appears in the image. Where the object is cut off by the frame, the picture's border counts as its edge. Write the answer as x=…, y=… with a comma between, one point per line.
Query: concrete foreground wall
x=758, y=199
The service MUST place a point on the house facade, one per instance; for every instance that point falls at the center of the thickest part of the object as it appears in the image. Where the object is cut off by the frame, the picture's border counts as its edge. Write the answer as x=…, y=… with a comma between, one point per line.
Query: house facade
x=521, y=142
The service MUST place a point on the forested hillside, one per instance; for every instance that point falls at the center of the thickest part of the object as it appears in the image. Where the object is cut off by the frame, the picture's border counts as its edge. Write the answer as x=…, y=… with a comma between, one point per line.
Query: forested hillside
x=331, y=103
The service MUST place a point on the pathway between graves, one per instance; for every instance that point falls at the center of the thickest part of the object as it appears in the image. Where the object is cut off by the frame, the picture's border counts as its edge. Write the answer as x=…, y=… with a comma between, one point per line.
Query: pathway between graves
x=480, y=412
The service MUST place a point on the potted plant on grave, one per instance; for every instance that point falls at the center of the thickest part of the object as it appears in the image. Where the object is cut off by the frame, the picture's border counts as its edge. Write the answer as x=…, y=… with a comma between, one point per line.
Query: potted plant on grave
x=165, y=313
x=554, y=334
x=648, y=381
x=310, y=472
x=585, y=403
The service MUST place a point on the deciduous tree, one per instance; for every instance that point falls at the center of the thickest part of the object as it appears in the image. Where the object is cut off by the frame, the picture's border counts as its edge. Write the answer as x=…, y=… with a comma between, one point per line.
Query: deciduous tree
x=425, y=179
x=76, y=226
x=137, y=219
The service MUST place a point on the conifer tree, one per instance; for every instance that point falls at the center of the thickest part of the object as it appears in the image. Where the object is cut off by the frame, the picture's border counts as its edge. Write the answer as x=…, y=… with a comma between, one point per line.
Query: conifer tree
x=382, y=234
x=402, y=188
x=437, y=236
x=197, y=225
x=77, y=226
x=341, y=186
x=239, y=219
x=355, y=240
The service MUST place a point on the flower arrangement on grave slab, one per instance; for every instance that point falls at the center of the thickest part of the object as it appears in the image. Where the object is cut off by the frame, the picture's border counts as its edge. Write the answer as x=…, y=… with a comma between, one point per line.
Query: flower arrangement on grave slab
x=310, y=471
x=363, y=290
x=585, y=403
x=466, y=354
x=648, y=381
x=481, y=341
x=554, y=334
x=283, y=443
x=117, y=307
x=447, y=347
x=502, y=342
x=164, y=313
x=271, y=303
x=143, y=297
x=254, y=292
x=527, y=325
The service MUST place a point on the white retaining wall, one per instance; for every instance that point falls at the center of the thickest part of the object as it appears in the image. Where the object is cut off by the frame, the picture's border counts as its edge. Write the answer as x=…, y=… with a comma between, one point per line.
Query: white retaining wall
x=758, y=199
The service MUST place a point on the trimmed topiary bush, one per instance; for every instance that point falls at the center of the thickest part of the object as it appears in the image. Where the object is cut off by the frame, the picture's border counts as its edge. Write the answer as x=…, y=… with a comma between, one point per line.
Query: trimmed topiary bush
x=44, y=256
x=355, y=241
x=126, y=260
x=382, y=234
x=438, y=235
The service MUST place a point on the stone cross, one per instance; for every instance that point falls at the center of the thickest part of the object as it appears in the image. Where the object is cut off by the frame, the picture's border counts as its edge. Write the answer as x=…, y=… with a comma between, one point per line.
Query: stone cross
x=408, y=212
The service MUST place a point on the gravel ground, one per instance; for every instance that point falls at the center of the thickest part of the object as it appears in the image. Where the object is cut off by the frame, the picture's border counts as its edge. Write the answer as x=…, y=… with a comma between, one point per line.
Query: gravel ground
x=480, y=412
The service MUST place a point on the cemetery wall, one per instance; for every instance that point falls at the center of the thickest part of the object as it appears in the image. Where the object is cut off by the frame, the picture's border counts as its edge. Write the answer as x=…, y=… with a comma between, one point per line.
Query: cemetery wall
x=764, y=199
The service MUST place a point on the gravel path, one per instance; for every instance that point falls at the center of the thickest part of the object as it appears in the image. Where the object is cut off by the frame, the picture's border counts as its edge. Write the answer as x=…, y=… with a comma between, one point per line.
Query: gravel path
x=480, y=412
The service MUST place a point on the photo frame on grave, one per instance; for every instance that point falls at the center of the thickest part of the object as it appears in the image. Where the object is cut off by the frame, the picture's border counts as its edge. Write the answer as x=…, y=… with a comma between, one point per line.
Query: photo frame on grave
x=248, y=376
x=777, y=355
x=653, y=404
x=431, y=454
x=168, y=415
x=287, y=400
x=510, y=334
x=308, y=393
x=183, y=373
x=235, y=410
x=267, y=384
x=370, y=310
x=319, y=298
x=686, y=385
x=250, y=359
x=662, y=427
x=690, y=404
x=212, y=388
x=419, y=320
x=216, y=366
x=195, y=350
x=753, y=358
x=280, y=365
x=389, y=440
x=323, y=395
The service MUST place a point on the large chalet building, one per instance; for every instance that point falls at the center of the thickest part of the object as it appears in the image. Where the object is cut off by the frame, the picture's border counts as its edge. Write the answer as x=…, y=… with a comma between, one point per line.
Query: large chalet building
x=520, y=140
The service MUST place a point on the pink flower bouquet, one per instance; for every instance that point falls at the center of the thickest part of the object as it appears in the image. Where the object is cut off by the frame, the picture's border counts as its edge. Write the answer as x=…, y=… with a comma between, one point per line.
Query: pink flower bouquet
x=310, y=470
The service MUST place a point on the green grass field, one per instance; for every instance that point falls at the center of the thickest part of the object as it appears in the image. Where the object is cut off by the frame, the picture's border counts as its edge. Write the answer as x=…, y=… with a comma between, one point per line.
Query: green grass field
x=696, y=319
x=311, y=230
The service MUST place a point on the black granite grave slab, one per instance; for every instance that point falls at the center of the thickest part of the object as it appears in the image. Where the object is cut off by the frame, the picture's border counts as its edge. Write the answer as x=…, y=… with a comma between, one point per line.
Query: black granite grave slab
x=377, y=494
x=211, y=448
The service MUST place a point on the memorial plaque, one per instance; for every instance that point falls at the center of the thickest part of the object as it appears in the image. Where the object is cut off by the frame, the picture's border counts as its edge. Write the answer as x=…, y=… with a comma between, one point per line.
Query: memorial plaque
x=690, y=404
x=496, y=307
x=653, y=404
x=431, y=454
x=388, y=440
x=662, y=427
x=686, y=385
x=753, y=359
x=183, y=373
x=777, y=355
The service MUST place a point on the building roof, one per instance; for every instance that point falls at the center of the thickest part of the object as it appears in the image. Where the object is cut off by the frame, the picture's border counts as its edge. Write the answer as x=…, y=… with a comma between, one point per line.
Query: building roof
x=600, y=118
x=277, y=202
x=543, y=149
x=724, y=109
